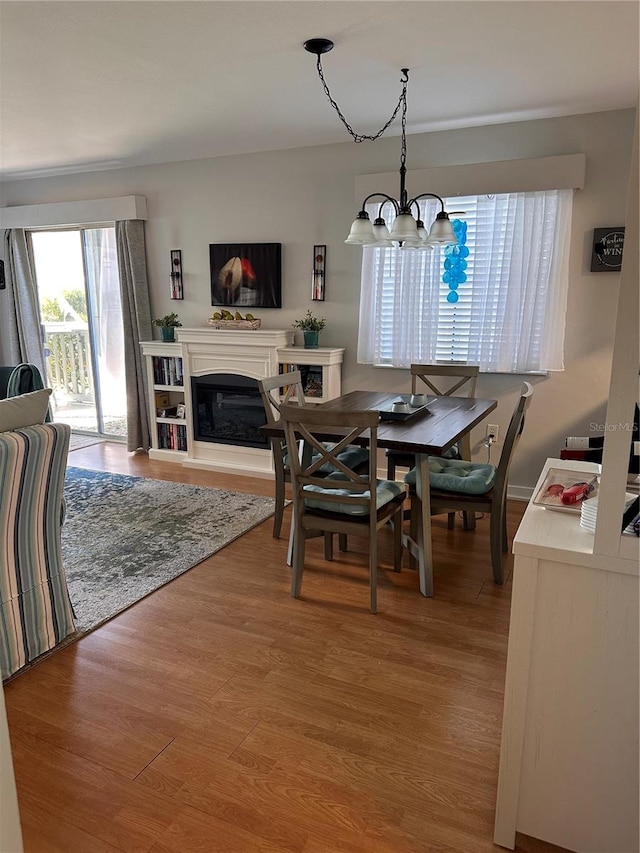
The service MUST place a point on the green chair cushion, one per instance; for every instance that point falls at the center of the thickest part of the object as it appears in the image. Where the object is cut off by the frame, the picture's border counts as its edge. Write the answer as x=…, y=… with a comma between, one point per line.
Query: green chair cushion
x=386, y=490
x=353, y=457
x=457, y=475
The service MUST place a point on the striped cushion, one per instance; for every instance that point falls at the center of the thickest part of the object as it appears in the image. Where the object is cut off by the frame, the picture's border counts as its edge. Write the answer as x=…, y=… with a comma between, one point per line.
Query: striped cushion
x=35, y=611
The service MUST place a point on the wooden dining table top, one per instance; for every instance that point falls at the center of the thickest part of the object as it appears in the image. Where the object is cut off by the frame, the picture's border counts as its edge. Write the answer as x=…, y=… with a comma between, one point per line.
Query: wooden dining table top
x=432, y=432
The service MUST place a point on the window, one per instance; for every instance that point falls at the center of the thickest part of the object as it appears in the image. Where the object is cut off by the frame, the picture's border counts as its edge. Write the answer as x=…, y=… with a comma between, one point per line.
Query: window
x=510, y=312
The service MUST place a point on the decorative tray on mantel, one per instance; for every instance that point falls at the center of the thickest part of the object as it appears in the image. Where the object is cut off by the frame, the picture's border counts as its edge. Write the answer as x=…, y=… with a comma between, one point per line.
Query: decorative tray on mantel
x=234, y=324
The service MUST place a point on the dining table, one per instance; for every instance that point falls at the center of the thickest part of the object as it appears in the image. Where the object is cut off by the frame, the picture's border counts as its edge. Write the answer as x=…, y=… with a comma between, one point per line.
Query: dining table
x=430, y=430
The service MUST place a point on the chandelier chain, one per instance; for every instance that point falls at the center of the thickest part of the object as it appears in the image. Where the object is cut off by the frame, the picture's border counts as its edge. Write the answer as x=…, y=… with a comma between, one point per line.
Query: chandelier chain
x=362, y=137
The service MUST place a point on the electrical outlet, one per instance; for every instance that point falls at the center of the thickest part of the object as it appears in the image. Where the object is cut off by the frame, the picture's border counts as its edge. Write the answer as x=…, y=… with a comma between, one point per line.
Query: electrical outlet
x=493, y=429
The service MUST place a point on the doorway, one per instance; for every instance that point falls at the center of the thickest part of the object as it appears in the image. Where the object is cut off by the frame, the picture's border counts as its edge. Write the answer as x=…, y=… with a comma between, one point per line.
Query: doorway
x=76, y=271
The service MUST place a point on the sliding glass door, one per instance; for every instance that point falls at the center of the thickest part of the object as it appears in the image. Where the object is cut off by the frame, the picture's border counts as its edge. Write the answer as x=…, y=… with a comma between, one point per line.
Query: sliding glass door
x=77, y=276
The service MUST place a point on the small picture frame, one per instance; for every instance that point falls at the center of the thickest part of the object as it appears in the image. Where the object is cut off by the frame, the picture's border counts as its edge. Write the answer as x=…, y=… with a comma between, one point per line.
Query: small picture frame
x=318, y=273
x=606, y=253
x=181, y=411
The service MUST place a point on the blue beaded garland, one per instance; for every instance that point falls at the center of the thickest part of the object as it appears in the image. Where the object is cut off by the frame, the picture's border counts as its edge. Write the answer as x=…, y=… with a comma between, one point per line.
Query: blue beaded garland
x=454, y=263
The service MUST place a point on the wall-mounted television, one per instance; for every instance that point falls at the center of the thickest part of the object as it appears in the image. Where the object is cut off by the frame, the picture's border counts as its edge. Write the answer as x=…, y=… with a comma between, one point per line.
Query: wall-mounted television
x=246, y=274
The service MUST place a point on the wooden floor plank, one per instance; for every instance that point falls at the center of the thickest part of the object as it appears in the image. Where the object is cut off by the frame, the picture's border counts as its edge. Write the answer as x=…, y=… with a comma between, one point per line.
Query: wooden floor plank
x=221, y=715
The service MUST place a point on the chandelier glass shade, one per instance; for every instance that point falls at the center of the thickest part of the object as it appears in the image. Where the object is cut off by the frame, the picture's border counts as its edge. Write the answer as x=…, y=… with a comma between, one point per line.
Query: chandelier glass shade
x=407, y=230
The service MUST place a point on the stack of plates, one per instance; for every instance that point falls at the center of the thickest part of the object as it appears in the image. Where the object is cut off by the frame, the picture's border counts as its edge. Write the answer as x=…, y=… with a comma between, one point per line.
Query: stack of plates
x=589, y=511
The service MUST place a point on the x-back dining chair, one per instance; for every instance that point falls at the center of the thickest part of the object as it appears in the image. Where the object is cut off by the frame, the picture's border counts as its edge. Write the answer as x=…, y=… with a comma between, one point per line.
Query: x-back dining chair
x=443, y=380
x=287, y=388
x=275, y=390
x=343, y=502
x=458, y=485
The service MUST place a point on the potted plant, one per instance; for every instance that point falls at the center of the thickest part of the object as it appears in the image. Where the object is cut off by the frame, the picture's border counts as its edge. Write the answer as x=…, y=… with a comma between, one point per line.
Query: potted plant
x=167, y=325
x=311, y=327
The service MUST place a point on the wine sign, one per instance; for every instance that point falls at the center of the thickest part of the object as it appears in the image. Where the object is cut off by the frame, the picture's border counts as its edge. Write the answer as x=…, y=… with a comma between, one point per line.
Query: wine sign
x=608, y=244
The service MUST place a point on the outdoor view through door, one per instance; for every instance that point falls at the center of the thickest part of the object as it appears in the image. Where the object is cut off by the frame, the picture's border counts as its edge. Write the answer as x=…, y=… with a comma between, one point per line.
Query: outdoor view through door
x=79, y=292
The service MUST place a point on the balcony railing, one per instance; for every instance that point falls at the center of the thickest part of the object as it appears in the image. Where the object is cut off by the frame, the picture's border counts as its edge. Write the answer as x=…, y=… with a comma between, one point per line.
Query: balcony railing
x=69, y=360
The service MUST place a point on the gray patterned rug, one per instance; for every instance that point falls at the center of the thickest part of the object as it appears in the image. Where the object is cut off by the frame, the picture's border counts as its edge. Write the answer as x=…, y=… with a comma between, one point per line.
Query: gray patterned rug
x=124, y=537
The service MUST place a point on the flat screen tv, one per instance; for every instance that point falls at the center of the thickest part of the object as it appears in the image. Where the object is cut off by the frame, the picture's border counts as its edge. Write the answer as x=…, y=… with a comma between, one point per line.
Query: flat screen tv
x=246, y=275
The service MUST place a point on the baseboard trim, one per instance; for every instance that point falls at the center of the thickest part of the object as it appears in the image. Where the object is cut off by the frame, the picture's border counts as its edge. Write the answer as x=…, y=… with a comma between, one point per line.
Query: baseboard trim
x=520, y=493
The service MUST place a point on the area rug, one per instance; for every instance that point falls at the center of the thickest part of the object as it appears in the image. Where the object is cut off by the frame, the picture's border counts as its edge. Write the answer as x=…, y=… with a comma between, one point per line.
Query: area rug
x=123, y=537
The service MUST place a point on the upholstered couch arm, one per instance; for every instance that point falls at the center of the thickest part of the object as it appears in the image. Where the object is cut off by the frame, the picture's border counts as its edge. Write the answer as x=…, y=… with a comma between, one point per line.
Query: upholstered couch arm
x=36, y=610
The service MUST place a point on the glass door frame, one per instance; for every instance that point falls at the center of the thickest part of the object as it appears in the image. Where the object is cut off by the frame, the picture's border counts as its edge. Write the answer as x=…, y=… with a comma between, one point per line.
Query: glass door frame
x=92, y=319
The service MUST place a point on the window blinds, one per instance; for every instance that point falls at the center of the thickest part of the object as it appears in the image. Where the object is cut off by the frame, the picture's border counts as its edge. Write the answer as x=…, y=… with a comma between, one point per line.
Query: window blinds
x=510, y=312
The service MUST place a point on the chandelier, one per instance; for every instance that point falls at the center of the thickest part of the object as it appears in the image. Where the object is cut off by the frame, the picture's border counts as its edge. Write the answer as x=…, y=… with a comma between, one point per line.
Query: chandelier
x=407, y=230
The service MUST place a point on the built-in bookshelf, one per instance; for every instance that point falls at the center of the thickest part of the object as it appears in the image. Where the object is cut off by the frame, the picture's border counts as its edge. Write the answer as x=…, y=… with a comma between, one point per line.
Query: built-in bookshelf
x=165, y=381
x=320, y=370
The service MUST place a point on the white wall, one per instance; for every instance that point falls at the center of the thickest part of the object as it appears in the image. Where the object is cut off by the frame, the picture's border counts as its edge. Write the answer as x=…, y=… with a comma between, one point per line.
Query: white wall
x=304, y=196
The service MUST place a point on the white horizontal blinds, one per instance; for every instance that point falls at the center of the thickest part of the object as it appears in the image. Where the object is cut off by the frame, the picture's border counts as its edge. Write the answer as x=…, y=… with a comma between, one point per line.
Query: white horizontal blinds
x=509, y=316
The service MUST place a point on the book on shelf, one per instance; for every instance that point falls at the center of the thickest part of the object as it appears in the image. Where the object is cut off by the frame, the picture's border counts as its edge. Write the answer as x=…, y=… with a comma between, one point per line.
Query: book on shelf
x=584, y=442
x=167, y=370
x=172, y=437
x=593, y=454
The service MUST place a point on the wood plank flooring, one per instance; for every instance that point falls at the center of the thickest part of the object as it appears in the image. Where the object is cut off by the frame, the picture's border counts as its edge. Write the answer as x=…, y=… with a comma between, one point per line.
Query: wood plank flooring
x=221, y=715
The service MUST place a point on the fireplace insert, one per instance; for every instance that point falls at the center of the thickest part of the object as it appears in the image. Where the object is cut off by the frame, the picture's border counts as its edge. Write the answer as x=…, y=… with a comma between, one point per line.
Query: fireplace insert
x=228, y=409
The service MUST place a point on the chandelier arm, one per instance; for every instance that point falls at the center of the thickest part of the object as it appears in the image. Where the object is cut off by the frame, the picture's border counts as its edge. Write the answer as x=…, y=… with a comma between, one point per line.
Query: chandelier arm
x=386, y=199
x=426, y=195
x=362, y=137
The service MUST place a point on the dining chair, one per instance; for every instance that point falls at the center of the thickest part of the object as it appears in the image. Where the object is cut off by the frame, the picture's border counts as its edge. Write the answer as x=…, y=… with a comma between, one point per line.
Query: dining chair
x=287, y=388
x=343, y=502
x=458, y=485
x=443, y=380
x=274, y=390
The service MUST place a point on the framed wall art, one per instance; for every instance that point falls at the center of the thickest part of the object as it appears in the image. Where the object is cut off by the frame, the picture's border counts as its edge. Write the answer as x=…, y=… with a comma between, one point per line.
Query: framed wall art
x=318, y=273
x=246, y=274
x=606, y=255
x=175, y=275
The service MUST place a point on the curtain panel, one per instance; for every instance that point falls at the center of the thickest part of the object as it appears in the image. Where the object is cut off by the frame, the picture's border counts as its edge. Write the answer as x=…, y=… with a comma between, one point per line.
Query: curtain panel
x=136, y=316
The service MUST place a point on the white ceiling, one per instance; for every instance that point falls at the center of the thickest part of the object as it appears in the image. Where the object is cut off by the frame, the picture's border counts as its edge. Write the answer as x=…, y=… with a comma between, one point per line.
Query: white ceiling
x=98, y=85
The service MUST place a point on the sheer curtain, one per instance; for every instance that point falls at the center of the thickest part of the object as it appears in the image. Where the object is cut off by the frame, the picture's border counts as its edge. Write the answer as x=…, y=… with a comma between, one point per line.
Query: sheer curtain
x=510, y=313
x=136, y=317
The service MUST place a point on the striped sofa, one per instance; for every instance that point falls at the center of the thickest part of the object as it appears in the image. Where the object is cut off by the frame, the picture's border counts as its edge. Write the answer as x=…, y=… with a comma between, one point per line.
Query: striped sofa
x=35, y=610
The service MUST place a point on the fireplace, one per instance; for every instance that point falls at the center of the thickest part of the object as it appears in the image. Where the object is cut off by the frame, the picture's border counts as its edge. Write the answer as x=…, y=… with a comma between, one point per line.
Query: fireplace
x=228, y=409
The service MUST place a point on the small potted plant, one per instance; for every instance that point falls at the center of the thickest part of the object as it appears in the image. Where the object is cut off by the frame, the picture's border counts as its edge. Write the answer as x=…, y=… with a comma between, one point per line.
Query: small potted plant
x=167, y=325
x=311, y=327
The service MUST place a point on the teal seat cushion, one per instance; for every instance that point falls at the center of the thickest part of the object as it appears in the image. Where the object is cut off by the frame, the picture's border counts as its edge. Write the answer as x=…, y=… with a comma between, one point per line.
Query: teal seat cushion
x=386, y=490
x=457, y=475
x=353, y=457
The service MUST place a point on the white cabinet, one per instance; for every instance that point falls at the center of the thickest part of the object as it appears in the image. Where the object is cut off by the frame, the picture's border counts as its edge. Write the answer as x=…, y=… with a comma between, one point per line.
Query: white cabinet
x=321, y=370
x=165, y=385
x=569, y=751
